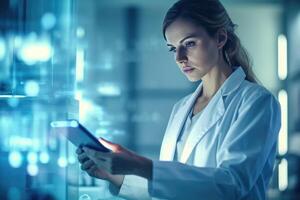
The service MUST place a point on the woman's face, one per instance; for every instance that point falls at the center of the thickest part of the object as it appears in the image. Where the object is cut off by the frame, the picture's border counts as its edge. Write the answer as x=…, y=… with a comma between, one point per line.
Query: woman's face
x=196, y=53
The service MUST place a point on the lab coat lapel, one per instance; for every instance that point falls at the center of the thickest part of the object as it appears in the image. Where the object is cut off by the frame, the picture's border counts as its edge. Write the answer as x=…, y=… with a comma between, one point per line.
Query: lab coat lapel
x=210, y=115
x=169, y=144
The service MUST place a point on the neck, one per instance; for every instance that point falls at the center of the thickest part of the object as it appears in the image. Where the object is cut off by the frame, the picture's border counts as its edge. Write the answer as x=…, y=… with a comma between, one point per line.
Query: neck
x=214, y=79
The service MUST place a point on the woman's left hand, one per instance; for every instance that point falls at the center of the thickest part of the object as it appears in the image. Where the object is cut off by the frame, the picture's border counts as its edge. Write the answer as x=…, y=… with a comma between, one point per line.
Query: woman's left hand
x=120, y=160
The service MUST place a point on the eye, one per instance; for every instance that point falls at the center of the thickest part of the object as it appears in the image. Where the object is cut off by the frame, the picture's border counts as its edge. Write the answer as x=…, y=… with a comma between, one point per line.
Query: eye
x=190, y=44
x=172, y=49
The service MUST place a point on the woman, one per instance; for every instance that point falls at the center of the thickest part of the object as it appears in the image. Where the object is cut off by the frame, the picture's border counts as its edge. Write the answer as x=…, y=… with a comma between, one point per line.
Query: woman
x=220, y=142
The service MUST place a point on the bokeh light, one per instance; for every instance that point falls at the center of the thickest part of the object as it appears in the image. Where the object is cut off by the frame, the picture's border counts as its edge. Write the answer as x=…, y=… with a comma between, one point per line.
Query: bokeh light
x=48, y=21
x=15, y=159
x=62, y=162
x=32, y=157
x=31, y=88
x=32, y=169
x=44, y=157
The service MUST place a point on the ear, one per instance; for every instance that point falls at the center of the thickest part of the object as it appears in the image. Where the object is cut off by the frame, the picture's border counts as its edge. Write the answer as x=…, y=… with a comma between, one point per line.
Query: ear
x=221, y=38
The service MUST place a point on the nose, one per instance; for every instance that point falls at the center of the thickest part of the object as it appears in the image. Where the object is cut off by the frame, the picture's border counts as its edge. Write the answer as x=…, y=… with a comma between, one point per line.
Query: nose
x=181, y=55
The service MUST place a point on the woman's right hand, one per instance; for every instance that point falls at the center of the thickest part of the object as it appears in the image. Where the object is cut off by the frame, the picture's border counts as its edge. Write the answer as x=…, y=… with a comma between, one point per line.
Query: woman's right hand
x=93, y=170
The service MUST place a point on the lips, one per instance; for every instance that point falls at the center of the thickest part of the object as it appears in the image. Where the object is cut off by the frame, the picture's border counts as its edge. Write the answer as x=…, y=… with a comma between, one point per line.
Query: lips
x=188, y=69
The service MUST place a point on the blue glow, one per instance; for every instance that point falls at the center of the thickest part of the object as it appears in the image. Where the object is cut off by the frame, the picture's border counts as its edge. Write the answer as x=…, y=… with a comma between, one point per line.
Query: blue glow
x=32, y=157
x=34, y=50
x=74, y=124
x=85, y=109
x=79, y=65
x=32, y=169
x=32, y=88
x=48, y=21
x=23, y=143
x=72, y=159
x=61, y=124
x=14, y=193
x=44, y=157
x=105, y=123
x=4, y=96
x=13, y=102
x=109, y=89
x=78, y=95
x=2, y=49
x=108, y=61
x=62, y=162
x=80, y=32
x=15, y=159
x=101, y=131
x=18, y=41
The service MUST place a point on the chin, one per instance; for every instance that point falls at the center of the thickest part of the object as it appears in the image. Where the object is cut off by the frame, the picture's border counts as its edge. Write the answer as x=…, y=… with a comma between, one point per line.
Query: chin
x=194, y=79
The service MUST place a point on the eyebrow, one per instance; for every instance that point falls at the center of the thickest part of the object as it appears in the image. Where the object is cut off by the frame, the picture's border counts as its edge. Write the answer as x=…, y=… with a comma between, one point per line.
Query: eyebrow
x=187, y=37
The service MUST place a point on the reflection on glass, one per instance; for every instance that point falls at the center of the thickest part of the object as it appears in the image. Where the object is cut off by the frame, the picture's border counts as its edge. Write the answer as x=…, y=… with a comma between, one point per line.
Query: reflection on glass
x=37, y=58
x=2, y=48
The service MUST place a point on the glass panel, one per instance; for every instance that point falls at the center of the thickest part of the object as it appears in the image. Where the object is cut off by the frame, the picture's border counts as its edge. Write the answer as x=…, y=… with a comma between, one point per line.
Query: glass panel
x=37, y=58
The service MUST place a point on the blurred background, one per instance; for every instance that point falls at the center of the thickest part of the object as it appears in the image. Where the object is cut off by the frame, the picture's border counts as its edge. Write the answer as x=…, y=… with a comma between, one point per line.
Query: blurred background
x=105, y=63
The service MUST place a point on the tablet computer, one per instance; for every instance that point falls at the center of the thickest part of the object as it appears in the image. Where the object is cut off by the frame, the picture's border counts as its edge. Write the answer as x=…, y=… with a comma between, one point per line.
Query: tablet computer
x=77, y=134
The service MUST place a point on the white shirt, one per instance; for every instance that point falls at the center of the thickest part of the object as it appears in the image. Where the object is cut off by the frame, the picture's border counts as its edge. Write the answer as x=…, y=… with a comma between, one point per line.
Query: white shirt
x=186, y=130
x=234, y=145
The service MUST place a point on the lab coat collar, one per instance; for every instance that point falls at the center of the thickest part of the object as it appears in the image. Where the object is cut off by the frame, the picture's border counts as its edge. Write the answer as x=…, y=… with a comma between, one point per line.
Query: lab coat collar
x=172, y=133
x=210, y=115
x=233, y=82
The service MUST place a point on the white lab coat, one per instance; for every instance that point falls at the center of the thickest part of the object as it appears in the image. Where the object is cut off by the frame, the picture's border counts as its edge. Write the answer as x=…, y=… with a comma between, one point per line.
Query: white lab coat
x=233, y=142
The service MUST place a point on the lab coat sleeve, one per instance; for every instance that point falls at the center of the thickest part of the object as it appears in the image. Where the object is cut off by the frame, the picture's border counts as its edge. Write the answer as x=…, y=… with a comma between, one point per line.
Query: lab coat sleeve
x=241, y=156
x=134, y=188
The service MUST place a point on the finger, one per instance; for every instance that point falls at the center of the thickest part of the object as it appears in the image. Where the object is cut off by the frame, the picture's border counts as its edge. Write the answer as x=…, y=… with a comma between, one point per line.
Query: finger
x=99, y=162
x=79, y=150
x=83, y=158
x=96, y=155
x=91, y=171
x=86, y=165
x=100, y=166
x=112, y=146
